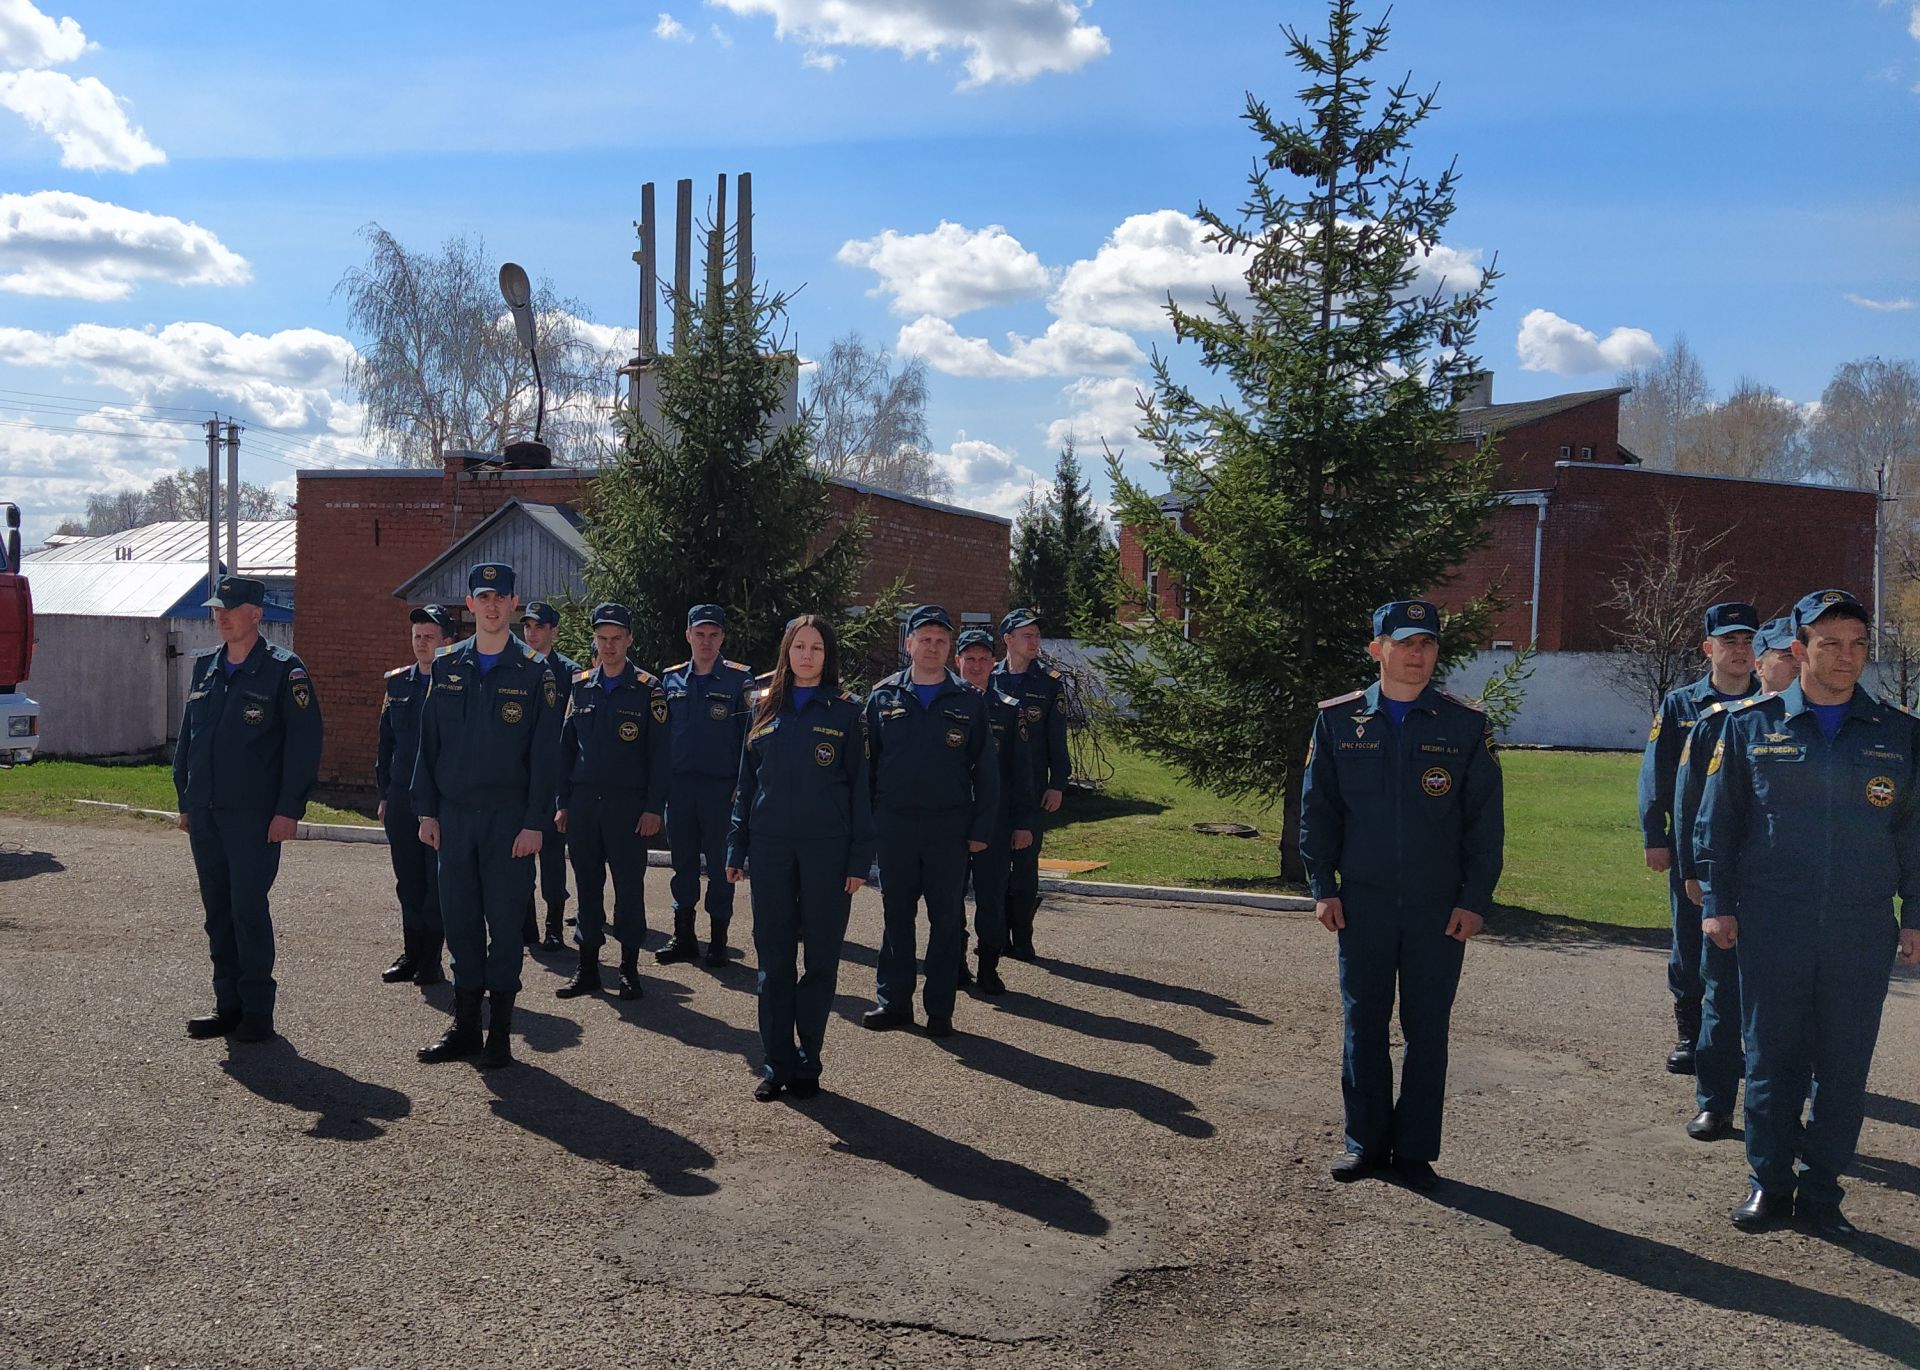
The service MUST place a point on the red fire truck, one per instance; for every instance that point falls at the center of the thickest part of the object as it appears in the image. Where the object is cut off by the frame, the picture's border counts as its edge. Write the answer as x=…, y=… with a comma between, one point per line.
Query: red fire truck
x=19, y=715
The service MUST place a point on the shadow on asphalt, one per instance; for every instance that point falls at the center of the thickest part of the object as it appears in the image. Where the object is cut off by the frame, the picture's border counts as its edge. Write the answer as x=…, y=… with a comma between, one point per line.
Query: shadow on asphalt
x=1219, y=1005
x=1885, y=1108
x=1669, y=1269
x=18, y=863
x=953, y=1167
x=1553, y=932
x=593, y=1129
x=664, y=1008
x=1900, y=1176
x=347, y=1107
x=1076, y=1084
x=1103, y=1026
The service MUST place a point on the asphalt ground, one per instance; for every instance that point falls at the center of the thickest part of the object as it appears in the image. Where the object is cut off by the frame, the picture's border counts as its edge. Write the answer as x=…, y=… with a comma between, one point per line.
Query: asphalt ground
x=1121, y=1163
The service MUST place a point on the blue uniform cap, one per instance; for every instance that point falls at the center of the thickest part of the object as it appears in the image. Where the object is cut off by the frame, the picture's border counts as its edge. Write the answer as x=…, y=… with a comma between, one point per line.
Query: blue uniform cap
x=619, y=615
x=496, y=576
x=706, y=613
x=542, y=613
x=1775, y=635
x=1405, y=618
x=1018, y=618
x=929, y=616
x=233, y=591
x=434, y=614
x=1812, y=606
x=973, y=637
x=1732, y=617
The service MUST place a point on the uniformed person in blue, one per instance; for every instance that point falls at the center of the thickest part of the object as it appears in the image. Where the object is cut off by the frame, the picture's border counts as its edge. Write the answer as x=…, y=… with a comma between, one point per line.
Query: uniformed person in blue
x=1728, y=648
x=1719, y=1060
x=936, y=796
x=1013, y=828
x=1043, y=704
x=540, y=628
x=485, y=787
x=803, y=827
x=248, y=754
x=708, y=698
x=613, y=787
x=416, y=868
x=1806, y=834
x=1402, y=830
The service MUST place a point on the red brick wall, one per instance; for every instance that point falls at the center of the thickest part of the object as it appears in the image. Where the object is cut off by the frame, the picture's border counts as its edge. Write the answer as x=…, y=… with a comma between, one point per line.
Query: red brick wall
x=1527, y=453
x=362, y=535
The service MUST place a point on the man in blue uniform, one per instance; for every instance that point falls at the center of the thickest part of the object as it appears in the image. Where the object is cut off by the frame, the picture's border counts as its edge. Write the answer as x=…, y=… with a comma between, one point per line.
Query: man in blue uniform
x=1806, y=833
x=540, y=626
x=936, y=794
x=708, y=706
x=416, y=872
x=613, y=786
x=1043, y=704
x=248, y=754
x=484, y=788
x=1013, y=828
x=1728, y=648
x=1402, y=830
x=1719, y=1061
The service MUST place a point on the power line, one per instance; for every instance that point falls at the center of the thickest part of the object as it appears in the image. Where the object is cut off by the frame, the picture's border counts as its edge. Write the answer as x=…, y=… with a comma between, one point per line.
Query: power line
x=78, y=399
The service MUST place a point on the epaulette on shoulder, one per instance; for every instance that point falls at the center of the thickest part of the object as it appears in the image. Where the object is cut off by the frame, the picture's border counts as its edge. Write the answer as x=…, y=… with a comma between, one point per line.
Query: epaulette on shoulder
x=1896, y=705
x=279, y=653
x=848, y=696
x=1719, y=706
x=398, y=670
x=1743, y=704
x=1347, y=698
x=1006, y=699
x=582, y=677
x=641, y=676
x=206, y=652
x=1052, y=674
x=1467, y=704
x=677, y=666
x=446, y=650
x=736, y=666
x=532, y=655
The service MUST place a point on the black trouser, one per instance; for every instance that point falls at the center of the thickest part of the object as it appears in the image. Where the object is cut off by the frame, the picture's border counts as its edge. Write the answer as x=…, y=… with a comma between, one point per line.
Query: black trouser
x=484, y=890
x=416, y=873
x=699, y=813
x=992, y=875
x=800, y=900
x=237, y=865
x=553, y=866
x=923, y=855
x=602, y=836
x=1023, y=891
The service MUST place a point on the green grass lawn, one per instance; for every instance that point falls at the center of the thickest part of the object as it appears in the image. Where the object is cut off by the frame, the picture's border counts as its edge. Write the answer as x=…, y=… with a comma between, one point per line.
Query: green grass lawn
x=1573, y=844
x=48, y=789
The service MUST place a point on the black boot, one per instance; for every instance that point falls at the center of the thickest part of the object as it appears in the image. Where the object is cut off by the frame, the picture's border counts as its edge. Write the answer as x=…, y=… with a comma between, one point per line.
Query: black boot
x=499, y=1048
x=213, y=1025
x=556, y=921
x=586, y=980
x=406, y=962
x=629, y=973
x=717, y=948
x=990, y=981
x=462, y=1037
x=1020, y=908
x=1686, y=1021
x=684, y=945
x=426, y=960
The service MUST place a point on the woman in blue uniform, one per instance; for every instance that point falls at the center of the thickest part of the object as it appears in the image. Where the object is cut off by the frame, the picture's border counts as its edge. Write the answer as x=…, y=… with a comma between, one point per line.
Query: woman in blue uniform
x=803, y=815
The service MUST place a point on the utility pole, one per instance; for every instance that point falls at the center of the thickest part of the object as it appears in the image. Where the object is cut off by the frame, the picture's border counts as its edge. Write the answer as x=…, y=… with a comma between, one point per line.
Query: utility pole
x=233, y=497
x=213, y=506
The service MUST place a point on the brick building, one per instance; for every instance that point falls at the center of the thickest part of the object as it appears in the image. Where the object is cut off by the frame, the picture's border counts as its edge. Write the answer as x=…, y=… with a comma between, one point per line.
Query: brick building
x=366, y=536
x=1573, y=501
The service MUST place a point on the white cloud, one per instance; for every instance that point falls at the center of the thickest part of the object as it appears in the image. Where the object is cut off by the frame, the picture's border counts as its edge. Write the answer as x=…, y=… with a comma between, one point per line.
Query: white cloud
x=608, y=339
x=949, y=271
x=986, y=477
x=820, y=61
x=287, y=380
x=1548, y=342
x=1005, y=40
x=1102, y=412
x=54, y=242
x=1881, y=306
x=1149, y=256
x=1913, y=22
x=720, y=35
x=83, y=116
x=29, y=38
x=671, y=29
x=1065, y=349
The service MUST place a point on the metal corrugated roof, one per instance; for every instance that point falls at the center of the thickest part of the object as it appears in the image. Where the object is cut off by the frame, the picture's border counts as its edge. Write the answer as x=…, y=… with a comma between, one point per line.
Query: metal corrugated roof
x=542, y=542
x=266, y=546
x=113, y=589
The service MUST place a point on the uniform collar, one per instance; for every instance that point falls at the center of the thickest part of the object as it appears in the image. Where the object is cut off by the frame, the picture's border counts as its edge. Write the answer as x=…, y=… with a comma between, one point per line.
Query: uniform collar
x=1005, y=667
x=1428, y=701
x=1703, y=692
x=904, y=679
x=515, y=650
x=628, y=675
x=251, y=663
x=1861, y=705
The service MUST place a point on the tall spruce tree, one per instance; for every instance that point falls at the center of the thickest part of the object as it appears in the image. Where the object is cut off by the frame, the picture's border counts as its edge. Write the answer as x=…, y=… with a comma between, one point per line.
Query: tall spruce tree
x=1326, y=486
x=719, y=504
x=1064, y=561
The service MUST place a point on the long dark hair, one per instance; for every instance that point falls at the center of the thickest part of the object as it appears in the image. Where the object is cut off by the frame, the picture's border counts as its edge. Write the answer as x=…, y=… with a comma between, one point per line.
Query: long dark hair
x=775, y=698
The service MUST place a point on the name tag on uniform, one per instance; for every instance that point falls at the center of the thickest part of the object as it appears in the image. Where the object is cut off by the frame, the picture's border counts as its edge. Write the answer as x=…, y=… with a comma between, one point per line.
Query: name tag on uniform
x=510, y=690
x=830, y=732
x=1439, y=749
x=1359, y=746
x=1779, y=751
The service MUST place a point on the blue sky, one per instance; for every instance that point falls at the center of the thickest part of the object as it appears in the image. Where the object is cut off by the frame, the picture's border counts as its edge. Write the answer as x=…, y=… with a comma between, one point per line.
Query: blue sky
x=181, y=186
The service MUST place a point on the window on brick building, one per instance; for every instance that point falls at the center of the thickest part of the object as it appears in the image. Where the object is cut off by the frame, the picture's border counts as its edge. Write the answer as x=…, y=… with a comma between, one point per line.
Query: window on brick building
x=1153, y=585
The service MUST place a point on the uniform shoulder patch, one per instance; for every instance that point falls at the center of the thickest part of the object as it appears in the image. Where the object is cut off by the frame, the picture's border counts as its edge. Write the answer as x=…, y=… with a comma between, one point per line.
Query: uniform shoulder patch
x=1347, y=698
x=279, y=653
x=531, y=654
x=1719, y=706
x=849, y=696
x=581, y=677
x=399, y=670
x=1052, y=674
x=733, y=666
x=1463, y=703
x=1006, y=699
x=1740, y=706
x=678, y=666
x=447, y=650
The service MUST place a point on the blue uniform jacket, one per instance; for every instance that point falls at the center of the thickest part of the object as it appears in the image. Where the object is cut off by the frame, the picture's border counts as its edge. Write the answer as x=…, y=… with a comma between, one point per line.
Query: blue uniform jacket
x=1413, y=814
x=1043, y=704
x=709, y=717
x=400, y=710
x=803, y=778
x=1689, y=779
x=1013, y=740
x=493, y=739
x=251, y=741
x=1792, y=824
x=937, y=756
x=1675, y=718
x=616, y=739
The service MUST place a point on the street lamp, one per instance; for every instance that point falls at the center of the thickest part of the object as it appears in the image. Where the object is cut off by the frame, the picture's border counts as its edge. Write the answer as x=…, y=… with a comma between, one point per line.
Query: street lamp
x=517, y=291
